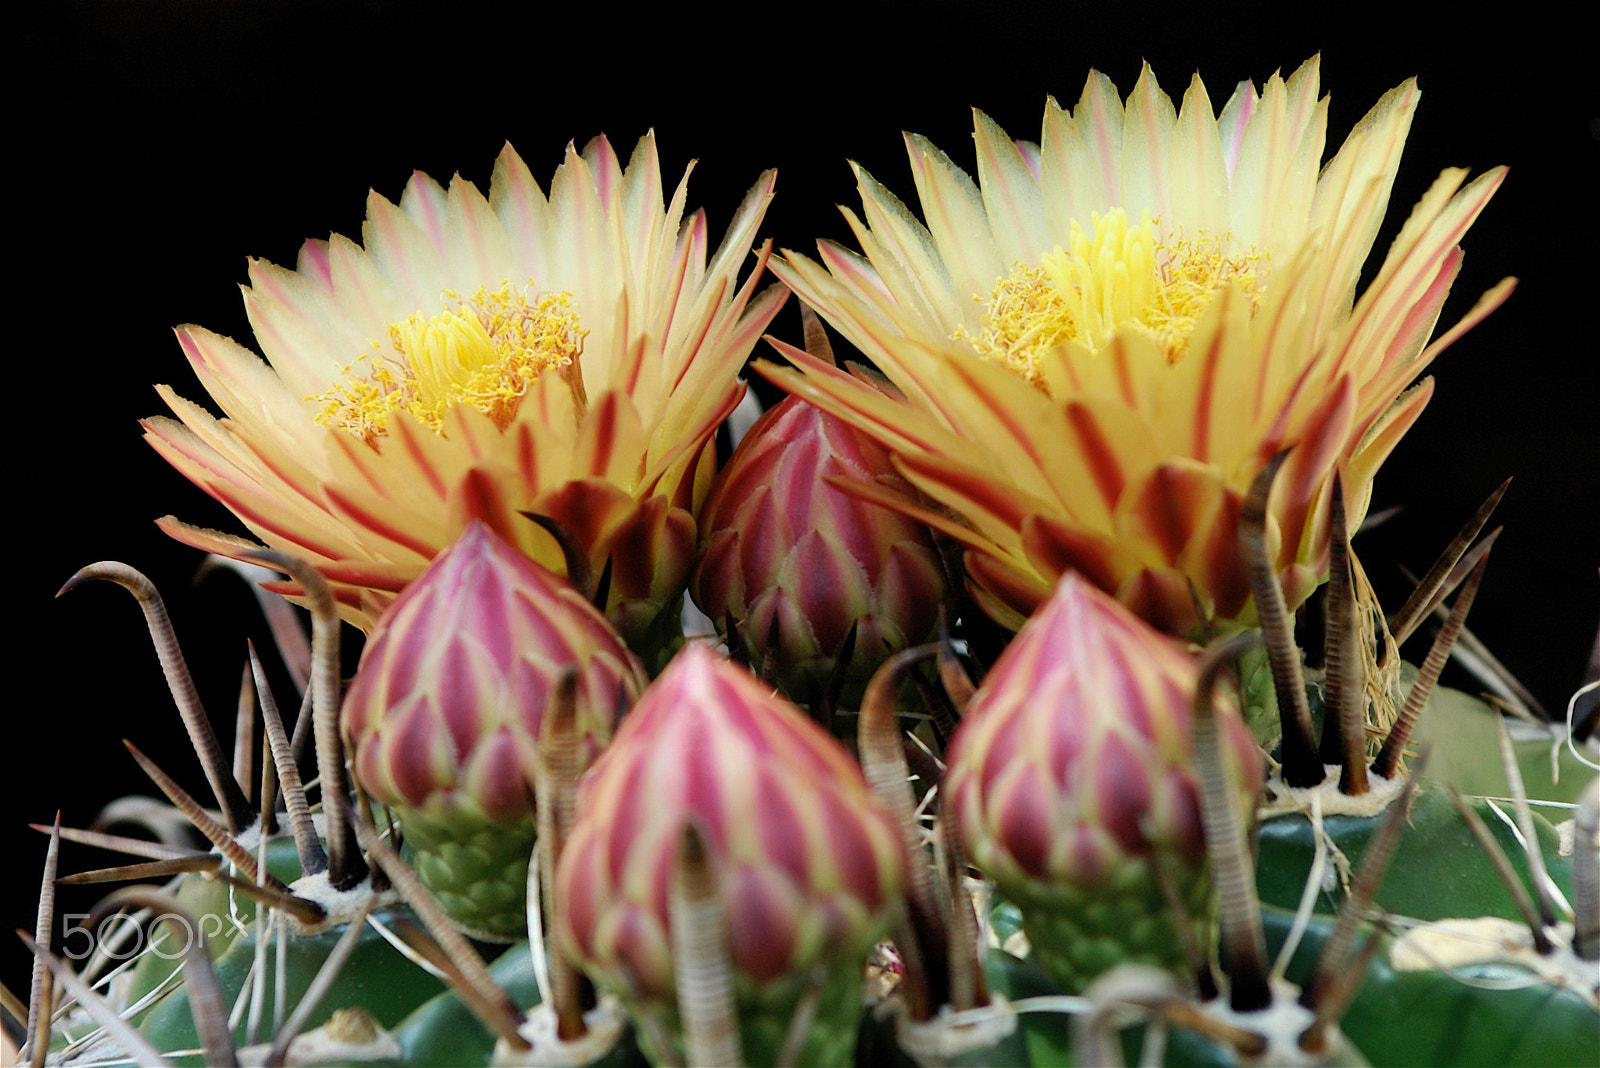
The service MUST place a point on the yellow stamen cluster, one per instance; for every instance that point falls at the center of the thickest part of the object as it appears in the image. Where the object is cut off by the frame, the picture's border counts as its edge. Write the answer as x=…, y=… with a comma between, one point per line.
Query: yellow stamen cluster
x=484, y=351
x=1116, y=276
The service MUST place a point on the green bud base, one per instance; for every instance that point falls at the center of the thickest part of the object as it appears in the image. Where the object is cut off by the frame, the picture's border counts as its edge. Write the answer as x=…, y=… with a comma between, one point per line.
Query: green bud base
x=476, y=868
x=765, y=1014
x=1077, y=933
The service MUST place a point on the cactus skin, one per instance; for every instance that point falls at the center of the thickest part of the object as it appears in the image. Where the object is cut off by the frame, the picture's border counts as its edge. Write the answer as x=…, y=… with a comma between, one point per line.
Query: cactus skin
x=810, y=867
x=443, y=1031
x=1398, y=1019
x=376, y=978
x=445, y=712
x=1071, y=770
x=783, y=546
x=1438, y=872
x=1414, y=1019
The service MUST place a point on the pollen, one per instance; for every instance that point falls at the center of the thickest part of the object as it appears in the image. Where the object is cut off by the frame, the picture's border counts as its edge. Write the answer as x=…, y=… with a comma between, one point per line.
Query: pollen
x=1114, y=276
x=484, y=351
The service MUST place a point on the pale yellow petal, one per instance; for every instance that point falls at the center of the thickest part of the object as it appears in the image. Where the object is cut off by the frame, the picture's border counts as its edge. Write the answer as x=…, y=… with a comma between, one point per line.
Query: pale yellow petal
x=520, y=205
x=296, y=325
x=424, y=202
x=954, y=212
x=1198, y=405
x=1081, y=157
x=1232, y=123
x=1266, y=146
x=1424, y=244
x=1197, y=178
x=1355, y=184
x=1146, y=148
x=1010, y=194
x=475, y=242
x=906, y=258
x=668, y=263
x=1307, y=115
x=403, y=253
x=583, y=247
x=365, y=299
x=642, y=207
x=244, y=386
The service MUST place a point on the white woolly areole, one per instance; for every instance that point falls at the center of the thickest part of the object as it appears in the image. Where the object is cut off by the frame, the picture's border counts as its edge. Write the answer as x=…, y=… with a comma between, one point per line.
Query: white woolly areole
x=249, y=839
x=1460, y=943
x=1566, y=837
x=949, y=1035
x=341, y=906
x=351, y=1036
x=1281, y=1024
x=1284, y=799
x=604, y=1022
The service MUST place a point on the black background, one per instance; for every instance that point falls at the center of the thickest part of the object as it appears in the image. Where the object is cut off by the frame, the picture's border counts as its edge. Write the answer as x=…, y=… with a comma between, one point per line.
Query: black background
x=154, y=146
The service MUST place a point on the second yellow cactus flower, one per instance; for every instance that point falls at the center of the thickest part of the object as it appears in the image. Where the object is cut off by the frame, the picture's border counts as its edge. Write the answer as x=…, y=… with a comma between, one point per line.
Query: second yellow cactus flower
x=1102, y=340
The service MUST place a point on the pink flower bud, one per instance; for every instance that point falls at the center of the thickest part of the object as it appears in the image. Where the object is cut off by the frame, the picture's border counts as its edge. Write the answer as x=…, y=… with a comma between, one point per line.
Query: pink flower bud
x=810, y=866
x=1072, y=769
x=445, y=712
x=783, y=545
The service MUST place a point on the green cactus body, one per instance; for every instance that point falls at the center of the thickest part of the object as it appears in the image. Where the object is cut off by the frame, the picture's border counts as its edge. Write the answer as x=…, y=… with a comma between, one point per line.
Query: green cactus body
x=444, y=1031
x=1438, y=872
x=1490, y=1014
x=222, y=914
x=1460, y=731
x=1040, y=1038
x=1044, y=1039
x=376, y=978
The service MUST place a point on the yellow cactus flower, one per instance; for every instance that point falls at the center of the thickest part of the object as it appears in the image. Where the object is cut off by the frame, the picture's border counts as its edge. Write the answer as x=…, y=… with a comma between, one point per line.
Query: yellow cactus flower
x=1099, y=342
x=570, y=355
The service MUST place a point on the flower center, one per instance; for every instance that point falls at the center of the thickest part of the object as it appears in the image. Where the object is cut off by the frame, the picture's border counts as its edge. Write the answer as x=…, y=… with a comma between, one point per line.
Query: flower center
x=1116, y=276
x=484, y=351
